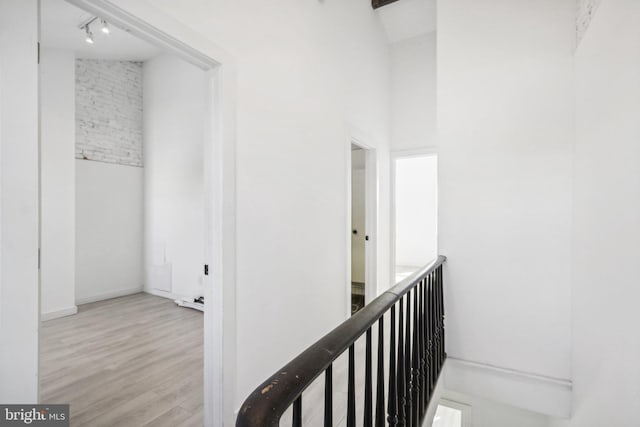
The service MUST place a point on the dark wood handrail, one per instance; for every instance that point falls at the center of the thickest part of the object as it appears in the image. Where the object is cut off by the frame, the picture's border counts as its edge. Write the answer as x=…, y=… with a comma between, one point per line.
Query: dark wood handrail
x=379, y=3
x=265, y=406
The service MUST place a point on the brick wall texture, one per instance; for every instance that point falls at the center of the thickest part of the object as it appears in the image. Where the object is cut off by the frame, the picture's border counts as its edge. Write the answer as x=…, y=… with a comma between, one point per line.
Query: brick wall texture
x=585, y=11
x=109, y=111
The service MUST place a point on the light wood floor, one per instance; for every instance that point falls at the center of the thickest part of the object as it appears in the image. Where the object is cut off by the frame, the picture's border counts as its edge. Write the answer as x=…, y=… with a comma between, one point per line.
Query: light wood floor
x=130, y=361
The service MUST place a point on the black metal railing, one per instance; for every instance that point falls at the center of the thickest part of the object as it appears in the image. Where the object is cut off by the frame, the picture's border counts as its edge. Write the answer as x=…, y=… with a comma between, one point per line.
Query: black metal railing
x=413, y=359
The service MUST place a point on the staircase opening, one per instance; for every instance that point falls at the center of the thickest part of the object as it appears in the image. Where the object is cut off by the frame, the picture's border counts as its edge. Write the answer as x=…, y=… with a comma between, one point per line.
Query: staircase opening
x=382, y=364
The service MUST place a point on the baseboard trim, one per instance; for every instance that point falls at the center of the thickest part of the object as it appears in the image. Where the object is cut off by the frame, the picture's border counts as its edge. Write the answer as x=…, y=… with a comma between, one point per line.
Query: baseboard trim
x=163, y=294
x=109, y=295
x=55, y=314
x=533, y=392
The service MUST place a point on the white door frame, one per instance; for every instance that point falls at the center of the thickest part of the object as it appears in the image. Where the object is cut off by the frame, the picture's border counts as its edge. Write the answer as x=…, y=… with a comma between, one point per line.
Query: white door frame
x=150, y=24
x=19, y=200
x=395, y=155
x=371, y=215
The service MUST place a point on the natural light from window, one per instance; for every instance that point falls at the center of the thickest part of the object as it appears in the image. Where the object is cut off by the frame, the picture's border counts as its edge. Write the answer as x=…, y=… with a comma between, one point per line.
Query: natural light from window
x=447, y=417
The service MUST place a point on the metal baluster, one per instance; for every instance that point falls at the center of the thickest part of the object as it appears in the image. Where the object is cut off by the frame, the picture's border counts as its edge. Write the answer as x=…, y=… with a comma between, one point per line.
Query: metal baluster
x=351, y=394
x=432, y=327
x=443, y=353
x=401, y=390
x=437, y=317
x=438, y=331
x=415, y=359
x=425, y=343
x=380, y=381
x=297, y=412
x=439, y=314
x=368, y=422
x=415, y=355
x=439, y=324
x=392, y=411
x=428, y=336
x=421, y=363
x=328, y=397
x=407, y=363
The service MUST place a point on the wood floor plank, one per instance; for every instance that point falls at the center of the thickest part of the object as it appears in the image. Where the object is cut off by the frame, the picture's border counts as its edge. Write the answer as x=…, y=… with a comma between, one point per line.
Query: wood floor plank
x=129, y=361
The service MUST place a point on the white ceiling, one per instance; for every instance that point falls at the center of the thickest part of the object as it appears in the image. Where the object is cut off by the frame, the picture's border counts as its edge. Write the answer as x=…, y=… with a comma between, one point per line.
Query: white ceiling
x=405, y=19
x=59, y=29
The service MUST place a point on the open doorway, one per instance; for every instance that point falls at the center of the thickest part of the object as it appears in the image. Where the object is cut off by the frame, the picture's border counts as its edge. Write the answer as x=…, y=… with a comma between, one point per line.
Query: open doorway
x=126, y=126
x=359, y=235
x=21, y=151
x=414, y=212
x=362, y=217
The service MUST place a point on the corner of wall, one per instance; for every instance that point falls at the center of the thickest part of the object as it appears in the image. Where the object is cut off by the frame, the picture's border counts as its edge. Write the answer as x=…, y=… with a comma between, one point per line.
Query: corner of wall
x=585, y=11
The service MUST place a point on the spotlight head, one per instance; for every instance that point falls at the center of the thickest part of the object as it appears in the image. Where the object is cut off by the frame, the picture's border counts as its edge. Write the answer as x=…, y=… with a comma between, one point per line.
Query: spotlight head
x=89, y=35
x=105, y=27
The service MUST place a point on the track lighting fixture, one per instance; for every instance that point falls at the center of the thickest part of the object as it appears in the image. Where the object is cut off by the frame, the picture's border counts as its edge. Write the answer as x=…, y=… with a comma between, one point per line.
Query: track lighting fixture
x=86, y=26
x=89, y=35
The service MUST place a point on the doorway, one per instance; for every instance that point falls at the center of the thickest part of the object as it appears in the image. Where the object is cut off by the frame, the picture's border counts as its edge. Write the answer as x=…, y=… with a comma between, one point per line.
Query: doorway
x=359, y=235
x=145, y=21
x=362, y=220
x=116, y=190
x=414, y=212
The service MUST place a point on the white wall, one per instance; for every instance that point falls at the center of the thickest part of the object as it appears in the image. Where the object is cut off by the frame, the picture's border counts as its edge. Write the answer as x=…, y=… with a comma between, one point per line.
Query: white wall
x=174, y=108
x=414, y=127
x=413, y=93
x=505, y=158
x=109, y=230
x=606, y=232
x=58, y=180
x=299, y=87
x=19, y=295
x=416, y=210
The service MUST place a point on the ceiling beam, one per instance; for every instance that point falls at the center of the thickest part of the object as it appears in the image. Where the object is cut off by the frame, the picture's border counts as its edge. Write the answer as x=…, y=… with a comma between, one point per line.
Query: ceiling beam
x=379, y=3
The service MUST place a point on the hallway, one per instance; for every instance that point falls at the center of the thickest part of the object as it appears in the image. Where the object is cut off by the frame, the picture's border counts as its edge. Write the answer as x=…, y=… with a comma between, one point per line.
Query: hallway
x=130, y=361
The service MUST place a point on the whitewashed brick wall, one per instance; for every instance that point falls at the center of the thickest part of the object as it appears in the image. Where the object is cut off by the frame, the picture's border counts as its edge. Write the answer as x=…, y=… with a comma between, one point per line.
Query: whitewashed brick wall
x=109, y=111
x=585, y=11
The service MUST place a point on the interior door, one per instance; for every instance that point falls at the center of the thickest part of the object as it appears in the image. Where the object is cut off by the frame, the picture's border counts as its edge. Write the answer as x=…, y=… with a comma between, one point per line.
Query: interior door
x=358, y=229
x=358, y=223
